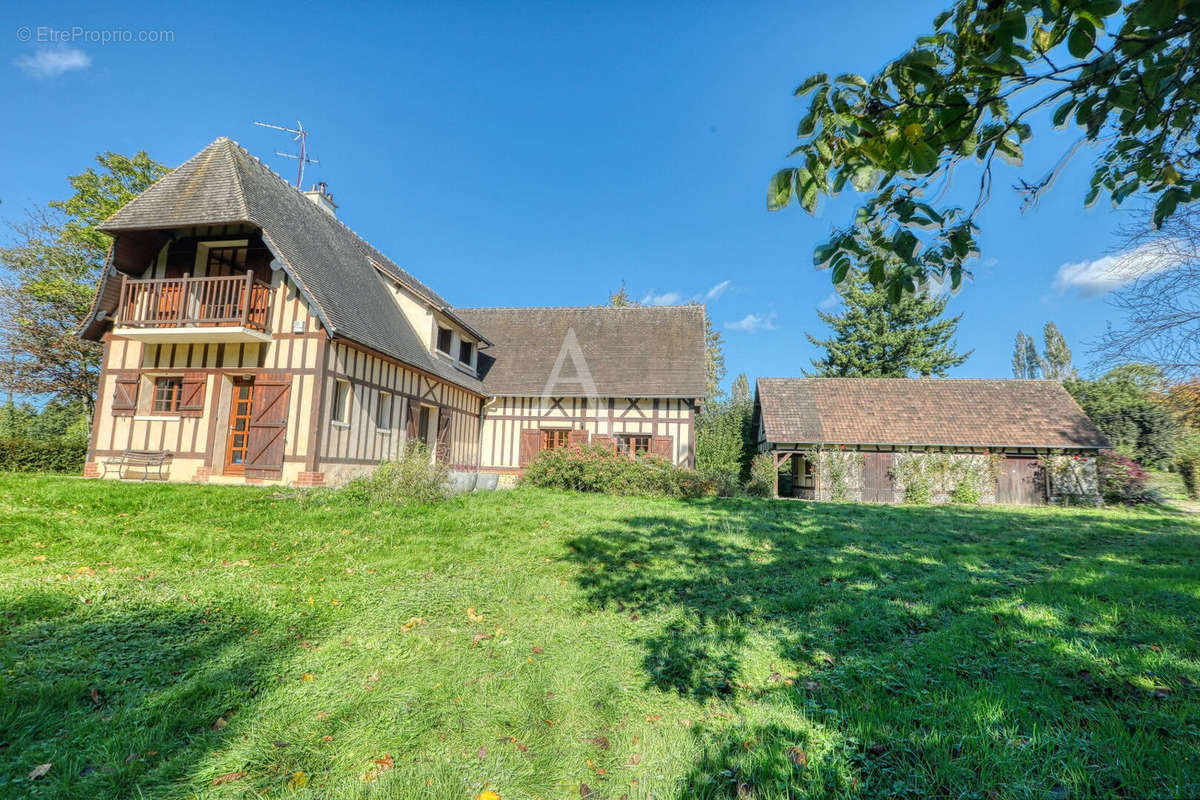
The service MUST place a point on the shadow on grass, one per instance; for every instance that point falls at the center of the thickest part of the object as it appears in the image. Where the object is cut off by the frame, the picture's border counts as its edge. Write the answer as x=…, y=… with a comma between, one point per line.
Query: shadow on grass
x=920, y=651
x=125, y=702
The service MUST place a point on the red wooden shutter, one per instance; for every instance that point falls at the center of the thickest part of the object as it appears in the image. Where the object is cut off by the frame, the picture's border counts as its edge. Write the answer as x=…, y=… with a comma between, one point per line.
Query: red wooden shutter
x=663, y=447
x=268, y=427
x=577, y=438
x=607, y=442
x=531, y=445
x=125, y=391
x=414, y=418
x=191, y=396
x=443, y=436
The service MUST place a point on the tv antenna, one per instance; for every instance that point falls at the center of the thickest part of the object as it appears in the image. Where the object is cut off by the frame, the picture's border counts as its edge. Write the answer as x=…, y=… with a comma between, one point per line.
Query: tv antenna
x=299, y=135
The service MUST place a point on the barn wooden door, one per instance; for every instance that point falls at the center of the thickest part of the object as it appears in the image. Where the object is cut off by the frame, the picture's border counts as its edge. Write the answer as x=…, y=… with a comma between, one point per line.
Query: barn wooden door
x=1020, y=482
x=268, y=427
x=877, y=478
x=443, y=437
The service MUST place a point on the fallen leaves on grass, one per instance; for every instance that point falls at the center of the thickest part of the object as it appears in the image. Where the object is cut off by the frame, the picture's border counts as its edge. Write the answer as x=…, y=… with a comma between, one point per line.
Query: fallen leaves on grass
x=601, y=742
x=412, y=623
x=797, y=756
x=382, y=764
x=95, y=693
x=471, y=615
x=228, y=777
x=488, y=794
x=219, y=723
x=40, y=771
x=537, y=651
x=479, y=637
x=298, y=780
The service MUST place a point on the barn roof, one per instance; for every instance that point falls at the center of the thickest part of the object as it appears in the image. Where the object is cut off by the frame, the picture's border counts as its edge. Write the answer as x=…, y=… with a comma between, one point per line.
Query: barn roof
x=650, y=351
x=924, y=412
x=338, y=270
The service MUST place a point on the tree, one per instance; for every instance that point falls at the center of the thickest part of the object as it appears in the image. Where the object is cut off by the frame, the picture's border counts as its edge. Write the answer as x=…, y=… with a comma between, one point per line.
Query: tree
x=54, y=262
x=1026, y=362
x=1056, y=360
x=1127, y=405
x=1161, y=298
x=620, y=298
x=739, y=392
x=1124, y=74
x=874, y=338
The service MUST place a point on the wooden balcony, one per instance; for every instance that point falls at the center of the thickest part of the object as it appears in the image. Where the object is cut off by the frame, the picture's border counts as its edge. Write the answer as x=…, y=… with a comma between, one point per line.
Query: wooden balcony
x=236, y=308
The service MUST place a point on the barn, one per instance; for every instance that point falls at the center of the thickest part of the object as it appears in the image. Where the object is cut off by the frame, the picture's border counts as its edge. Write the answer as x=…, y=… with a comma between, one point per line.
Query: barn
x=927, y=440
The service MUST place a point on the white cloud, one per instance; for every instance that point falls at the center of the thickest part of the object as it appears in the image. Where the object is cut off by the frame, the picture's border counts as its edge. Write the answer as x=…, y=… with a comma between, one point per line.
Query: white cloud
x=715, y=292
x=830, y=302
x=753, y=323
x=1102, y=275
x=51, y=62
x=664, y=299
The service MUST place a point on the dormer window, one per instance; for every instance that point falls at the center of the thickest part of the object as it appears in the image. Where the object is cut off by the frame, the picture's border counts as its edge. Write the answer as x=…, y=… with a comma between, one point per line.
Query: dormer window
x=444, y=339
x=465, y=349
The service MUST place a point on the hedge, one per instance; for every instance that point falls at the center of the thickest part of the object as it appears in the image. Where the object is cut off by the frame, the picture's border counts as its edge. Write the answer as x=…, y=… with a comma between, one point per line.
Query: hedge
x=34, y=455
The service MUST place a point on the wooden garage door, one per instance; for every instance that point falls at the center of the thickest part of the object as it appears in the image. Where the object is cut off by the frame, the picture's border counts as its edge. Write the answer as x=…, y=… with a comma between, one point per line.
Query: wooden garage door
x=1020, y=482
x=877, y=478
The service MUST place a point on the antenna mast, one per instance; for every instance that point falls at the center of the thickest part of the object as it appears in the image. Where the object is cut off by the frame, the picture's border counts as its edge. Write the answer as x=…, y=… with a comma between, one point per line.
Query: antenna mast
x=299, y=135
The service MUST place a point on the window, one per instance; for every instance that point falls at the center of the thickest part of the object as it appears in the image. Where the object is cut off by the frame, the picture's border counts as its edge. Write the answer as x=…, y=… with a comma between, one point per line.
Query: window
x=634, y=444
x=445, y=335
x=223, y=261
x=554, y=438
x=423, y=425
x=341, y=401
x=464, y=351
x=166, y=394
x=383, y=414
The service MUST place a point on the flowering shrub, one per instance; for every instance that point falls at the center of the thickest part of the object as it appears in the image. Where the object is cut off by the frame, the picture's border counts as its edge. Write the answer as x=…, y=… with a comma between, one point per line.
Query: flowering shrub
x=597, y=469
x=1122, y=480
x=762, y=476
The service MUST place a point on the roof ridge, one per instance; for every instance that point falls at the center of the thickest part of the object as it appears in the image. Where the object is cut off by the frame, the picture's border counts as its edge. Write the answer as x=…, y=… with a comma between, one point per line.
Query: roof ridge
x=595, y=307
x=922, y=378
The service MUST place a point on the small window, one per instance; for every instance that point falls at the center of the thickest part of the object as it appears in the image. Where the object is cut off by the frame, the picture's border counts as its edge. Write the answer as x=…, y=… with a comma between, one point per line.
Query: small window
x=166, y=394
x=464, y=351
x=552, y=439
x=634, y=444
x=383, y=414
x=341, y=401
x=445, y=335
x=423, y=425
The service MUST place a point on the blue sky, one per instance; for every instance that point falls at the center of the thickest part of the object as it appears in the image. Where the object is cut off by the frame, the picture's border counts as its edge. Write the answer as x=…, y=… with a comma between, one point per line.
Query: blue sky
x=539, y=154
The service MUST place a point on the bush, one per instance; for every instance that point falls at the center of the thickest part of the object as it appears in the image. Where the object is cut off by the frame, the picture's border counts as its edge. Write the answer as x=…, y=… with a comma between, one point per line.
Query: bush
x=763, y=474
x=413, y=478
x=597, y=469
x=1122, y=480
x=65, y=454
x=722, y=445
x=966, y=492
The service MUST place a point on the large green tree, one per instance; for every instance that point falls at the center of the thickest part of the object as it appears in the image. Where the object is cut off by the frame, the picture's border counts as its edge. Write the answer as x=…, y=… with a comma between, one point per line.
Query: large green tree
x=51, y=264
x=875, y=338
x=1025, y=361
x=1056, y=355
x=1124, y=75
x=1128, y=404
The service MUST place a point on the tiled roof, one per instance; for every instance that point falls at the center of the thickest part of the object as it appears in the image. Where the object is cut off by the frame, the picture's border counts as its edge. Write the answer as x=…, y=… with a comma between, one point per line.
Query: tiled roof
x=924, y=412
x=651, y=351
x=336, y=268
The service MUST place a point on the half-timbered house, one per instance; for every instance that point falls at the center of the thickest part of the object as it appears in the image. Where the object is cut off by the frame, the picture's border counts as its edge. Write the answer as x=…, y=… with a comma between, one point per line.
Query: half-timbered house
x=862, y=438
x=251, y=336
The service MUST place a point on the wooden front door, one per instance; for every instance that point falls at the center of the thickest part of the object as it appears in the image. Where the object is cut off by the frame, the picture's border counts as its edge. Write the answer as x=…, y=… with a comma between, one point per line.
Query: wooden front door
x=239, y=426
x=1020, y=482
x=877, y=484
x=268, y=427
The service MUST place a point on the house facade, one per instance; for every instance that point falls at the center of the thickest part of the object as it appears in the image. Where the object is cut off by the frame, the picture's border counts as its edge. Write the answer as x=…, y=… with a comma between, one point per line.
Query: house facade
x=251, y=337
x=932, y=440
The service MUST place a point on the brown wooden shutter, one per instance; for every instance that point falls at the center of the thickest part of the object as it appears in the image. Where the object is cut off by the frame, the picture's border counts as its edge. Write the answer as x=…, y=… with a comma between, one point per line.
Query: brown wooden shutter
x=414, y=420
x=191, y=396
x=531, y=445
x=443, y=436
x=663, y=447
x=577, y=438
x=268, y=427
x=125, y=392
x=607, y=442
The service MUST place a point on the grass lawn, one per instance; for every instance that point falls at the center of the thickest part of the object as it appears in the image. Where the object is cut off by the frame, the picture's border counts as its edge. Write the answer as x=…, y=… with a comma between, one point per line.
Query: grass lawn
x=168, y=641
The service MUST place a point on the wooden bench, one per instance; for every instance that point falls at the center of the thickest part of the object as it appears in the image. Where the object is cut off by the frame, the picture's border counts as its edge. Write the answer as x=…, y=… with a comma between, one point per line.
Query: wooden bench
x=138, y=458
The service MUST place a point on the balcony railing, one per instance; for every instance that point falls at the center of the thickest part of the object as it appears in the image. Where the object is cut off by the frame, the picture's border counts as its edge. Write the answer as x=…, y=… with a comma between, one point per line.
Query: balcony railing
x=237, y=300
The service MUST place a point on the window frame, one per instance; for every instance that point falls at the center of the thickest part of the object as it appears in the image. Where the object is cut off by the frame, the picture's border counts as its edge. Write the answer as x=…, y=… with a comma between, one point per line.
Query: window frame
x=553, y=438
x=449, y=334
x=626, y=444
x=173, y=399
x=469, y=346
x=340, y=407
x=383, y=423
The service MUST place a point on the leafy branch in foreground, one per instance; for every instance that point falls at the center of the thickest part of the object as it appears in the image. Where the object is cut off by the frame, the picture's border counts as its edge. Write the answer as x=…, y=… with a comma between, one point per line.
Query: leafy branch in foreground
x=1124, y=74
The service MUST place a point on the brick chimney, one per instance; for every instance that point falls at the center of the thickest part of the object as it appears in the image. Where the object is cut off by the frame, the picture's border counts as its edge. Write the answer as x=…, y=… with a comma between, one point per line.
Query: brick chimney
x=321, y=195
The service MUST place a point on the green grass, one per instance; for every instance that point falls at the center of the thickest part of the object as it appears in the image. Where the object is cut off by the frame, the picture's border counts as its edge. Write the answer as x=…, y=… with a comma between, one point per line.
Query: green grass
x=638, y=647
